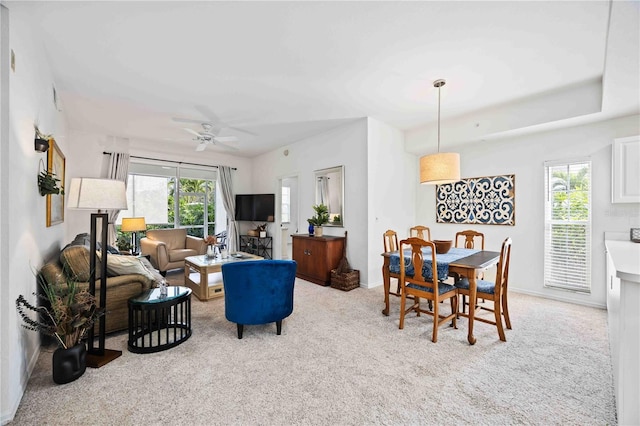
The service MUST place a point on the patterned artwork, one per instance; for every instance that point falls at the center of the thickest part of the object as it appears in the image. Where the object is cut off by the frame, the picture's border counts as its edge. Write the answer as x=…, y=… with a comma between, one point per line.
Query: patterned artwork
x=488, y=200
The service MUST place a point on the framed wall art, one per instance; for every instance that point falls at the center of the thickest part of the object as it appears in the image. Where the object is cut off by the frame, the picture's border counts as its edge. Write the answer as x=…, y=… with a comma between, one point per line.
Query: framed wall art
x=55, y=202
x=488, y=200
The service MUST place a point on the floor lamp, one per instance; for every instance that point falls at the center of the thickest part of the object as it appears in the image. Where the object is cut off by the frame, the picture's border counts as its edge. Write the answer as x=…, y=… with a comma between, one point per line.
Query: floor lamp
x=98, y=194
x=133, y=225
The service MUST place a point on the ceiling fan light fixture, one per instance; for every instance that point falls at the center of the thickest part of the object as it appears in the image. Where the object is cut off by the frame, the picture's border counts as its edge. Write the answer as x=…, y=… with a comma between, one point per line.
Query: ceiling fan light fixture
x=443, y=167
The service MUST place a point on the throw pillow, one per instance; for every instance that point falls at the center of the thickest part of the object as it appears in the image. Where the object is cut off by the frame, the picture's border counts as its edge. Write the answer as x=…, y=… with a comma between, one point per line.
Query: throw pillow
x=125, y=265
x=75, y=262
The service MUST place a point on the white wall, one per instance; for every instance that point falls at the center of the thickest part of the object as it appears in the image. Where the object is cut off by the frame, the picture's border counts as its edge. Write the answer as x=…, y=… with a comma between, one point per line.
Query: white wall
x=392, y=190
x=23, y=209
x=525, y=156
x=345, y=145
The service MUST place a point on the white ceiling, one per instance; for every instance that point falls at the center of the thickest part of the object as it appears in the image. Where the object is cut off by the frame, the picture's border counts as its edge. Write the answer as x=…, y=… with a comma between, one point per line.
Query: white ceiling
x=287, y=70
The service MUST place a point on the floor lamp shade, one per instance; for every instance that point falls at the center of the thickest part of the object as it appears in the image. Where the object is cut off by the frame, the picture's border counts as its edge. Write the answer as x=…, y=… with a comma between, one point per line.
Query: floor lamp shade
x=98, y=194
x=443, y=167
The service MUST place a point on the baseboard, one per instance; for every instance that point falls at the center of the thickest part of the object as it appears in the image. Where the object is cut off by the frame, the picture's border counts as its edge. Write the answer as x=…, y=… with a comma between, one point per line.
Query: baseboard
x=8, y=413
x=557, y=298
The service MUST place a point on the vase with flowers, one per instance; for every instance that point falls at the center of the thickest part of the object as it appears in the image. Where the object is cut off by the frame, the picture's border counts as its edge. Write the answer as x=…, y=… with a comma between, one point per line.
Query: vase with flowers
x=211, y=241
x=66, y=312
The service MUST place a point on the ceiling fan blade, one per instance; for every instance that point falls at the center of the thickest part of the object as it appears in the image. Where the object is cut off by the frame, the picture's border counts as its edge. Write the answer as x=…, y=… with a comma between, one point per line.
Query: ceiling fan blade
x=201, y=146
x=225, y=139
x=241, y=130
x=225, y=146
x=206, y=112
x=186, y=120
x=193, y=132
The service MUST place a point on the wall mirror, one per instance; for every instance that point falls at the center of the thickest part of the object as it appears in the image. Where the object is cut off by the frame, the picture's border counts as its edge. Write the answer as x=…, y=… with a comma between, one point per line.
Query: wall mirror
x=330, y=192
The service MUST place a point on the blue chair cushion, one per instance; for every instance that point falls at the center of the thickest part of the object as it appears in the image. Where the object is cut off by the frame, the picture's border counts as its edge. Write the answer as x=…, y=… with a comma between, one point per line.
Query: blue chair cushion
x=442, y=288
x=483, y=286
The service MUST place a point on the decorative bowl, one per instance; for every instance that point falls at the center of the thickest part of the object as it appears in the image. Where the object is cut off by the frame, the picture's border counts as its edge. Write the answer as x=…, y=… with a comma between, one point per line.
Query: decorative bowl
x=443, y=246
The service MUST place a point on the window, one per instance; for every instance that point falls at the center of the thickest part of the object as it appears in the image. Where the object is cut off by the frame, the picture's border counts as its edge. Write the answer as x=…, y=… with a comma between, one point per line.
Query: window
x=567, y=262
x=172, y=197
x=286, y=205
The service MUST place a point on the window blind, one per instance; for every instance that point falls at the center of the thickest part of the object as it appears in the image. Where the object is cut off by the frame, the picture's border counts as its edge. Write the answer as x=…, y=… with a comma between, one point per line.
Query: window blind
x=567, y=261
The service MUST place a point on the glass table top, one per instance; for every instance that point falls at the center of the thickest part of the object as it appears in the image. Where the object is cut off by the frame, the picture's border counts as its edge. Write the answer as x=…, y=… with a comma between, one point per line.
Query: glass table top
x=153, y=295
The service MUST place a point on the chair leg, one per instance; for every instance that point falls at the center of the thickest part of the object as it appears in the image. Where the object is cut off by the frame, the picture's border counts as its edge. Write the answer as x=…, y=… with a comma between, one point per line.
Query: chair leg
x=403, y=300
x=278, y=327
x=505, y=310
x=436, y=320
x=454, y=310
x=240, y=329
x=498, y=314
x=464, y=303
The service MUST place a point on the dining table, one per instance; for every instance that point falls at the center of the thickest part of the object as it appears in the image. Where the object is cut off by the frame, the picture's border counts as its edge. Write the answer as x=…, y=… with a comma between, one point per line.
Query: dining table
x=458, y=262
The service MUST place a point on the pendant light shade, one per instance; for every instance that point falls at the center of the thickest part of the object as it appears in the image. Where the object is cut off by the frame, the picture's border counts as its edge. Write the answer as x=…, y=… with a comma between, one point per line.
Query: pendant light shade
x=443, y=167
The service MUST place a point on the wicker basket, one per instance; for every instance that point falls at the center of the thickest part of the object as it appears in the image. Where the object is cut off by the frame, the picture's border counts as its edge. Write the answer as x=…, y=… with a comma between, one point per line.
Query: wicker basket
x=346, y=281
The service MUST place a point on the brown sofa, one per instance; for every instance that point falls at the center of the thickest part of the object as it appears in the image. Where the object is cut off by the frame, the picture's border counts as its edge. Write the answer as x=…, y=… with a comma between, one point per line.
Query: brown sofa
x=73, y=264
x=167, y=248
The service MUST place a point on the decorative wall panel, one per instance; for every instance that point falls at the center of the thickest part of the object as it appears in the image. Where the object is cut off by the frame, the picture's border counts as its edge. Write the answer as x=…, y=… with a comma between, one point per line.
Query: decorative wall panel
x=488, y=200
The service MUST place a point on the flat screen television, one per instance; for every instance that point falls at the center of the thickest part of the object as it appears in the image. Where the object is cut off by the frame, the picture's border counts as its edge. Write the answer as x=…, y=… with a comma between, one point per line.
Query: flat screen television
x=255, y=207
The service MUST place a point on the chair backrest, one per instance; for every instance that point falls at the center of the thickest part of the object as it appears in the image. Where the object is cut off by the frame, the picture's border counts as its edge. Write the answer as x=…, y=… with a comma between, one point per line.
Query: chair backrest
x=390, y=239
x=416, y=262
x=502, y=273
x=174, y=238
x=470, y=237
x=258, y=291
x=420, y=232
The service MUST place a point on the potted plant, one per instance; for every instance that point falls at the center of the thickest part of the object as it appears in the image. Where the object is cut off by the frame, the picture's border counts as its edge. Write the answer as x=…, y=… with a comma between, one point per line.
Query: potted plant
x=48, y=183
x=67, y=312
x=320, y=218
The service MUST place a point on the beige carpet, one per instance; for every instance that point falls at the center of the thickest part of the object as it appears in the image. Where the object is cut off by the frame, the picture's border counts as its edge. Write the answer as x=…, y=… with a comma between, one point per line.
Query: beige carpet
x=339, y=361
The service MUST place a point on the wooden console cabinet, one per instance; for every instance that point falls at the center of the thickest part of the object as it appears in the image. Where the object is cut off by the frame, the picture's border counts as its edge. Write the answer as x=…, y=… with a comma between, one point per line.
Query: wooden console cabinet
x=316, y=257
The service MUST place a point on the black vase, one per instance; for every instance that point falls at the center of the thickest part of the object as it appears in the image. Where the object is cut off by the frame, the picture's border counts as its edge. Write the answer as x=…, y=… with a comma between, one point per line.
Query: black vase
x=69, y=364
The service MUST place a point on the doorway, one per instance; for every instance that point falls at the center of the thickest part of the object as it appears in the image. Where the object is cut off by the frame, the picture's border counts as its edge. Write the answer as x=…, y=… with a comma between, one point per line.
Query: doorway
x=288, y=214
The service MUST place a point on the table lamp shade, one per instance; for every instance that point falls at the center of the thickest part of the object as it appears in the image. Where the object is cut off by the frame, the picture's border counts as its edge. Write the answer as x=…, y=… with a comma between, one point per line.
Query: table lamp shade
x=443, y=167
x=97, y=194
x=132, y=224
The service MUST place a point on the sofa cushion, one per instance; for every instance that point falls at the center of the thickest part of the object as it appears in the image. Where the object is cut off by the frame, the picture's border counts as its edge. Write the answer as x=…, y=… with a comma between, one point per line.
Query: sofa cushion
x=53, y=274
x=75, y=262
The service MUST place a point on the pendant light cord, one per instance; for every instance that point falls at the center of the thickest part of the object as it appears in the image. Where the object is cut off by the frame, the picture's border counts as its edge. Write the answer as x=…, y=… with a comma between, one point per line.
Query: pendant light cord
x=439, y=119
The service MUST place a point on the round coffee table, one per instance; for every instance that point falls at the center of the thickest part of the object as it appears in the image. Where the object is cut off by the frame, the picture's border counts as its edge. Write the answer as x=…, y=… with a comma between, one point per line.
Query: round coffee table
x=158, y=322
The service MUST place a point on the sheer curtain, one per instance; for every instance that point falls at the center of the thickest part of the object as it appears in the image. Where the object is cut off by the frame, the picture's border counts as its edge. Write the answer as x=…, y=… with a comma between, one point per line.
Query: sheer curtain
x=226, y=186
x=323, y=191
x=119, y=170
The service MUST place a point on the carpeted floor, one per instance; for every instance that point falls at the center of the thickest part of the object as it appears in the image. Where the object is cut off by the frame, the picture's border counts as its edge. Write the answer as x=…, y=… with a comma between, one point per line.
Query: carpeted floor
x=339, y=361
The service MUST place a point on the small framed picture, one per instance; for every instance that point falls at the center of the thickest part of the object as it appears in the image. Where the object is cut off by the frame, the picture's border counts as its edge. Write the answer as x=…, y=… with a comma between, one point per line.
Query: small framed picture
x=55, y=202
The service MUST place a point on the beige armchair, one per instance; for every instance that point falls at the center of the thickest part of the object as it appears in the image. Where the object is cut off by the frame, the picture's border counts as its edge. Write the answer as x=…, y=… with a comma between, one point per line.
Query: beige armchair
x=167, y=248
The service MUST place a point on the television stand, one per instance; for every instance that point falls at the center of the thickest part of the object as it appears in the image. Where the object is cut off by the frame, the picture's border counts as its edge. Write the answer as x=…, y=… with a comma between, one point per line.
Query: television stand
x=257, y=245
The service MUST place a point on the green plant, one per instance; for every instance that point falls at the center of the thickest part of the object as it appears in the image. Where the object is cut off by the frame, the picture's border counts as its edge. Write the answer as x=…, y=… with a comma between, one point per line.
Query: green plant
x=337, y=219
x=68, y=312
x=321, y=217
x=123, y=242
x=48, y=183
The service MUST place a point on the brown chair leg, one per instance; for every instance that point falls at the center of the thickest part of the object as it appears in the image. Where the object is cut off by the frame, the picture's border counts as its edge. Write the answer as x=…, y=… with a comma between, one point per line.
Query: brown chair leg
x=498, y=316
x=436, y=320
x=240, y=329
x=278, y=327
x=505, y=311
x=403, y=301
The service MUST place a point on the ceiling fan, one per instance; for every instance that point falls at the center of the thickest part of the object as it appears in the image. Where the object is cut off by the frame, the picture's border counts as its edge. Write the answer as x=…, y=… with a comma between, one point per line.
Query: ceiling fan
x=209, y=136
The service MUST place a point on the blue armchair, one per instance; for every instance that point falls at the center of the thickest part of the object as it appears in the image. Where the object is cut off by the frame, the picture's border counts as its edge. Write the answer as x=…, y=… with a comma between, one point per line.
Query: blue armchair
x=258, y=292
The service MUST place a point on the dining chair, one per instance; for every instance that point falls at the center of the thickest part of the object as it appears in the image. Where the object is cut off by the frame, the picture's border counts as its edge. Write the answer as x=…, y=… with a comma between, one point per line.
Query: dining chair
x=420, y=231
x=414, y=284
x=390, y=240
x=470, y=238
x=493, y=291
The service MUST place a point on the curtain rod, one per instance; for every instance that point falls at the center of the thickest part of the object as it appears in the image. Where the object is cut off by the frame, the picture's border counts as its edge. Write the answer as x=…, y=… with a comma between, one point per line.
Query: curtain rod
x=168, y=161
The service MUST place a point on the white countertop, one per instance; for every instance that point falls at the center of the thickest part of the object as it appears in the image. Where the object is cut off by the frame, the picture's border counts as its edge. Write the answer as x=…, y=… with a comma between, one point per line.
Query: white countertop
x=626, y=259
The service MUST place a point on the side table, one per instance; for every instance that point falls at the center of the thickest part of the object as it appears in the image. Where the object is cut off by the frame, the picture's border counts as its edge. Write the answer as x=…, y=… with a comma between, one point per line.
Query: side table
x=157, y=322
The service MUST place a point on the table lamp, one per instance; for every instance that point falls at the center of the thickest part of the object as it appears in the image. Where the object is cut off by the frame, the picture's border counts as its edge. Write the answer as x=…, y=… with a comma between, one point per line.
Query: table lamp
x=133, y=225
x=101, y=195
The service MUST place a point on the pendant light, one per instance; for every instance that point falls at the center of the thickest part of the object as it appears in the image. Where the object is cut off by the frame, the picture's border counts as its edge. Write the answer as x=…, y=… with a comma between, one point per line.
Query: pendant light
x=443, y=167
